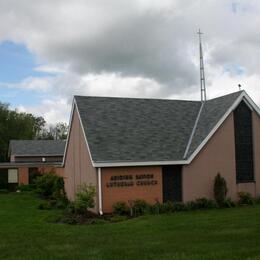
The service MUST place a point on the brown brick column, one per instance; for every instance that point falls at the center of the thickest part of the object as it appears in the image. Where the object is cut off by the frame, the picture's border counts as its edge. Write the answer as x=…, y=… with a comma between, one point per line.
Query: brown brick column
x=23, y=174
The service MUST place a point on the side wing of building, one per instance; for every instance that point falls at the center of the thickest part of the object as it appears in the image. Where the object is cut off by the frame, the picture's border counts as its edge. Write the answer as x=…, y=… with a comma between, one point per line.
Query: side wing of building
x=220, y=155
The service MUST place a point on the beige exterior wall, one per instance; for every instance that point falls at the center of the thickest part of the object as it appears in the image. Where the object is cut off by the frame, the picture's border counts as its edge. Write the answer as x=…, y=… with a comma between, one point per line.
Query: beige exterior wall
x=78, y=167
x=149, y=193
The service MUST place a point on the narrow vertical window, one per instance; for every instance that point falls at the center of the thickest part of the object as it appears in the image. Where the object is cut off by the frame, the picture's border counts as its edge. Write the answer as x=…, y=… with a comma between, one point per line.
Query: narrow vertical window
x=12, y=176
x=243, y=143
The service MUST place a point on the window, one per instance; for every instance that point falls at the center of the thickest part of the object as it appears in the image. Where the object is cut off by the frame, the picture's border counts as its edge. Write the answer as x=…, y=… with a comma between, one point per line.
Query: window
x=243, y=143
x=12, y=176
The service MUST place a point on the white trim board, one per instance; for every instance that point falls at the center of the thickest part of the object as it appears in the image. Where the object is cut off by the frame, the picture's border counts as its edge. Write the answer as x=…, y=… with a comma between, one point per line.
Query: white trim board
x=84, y=133
x=193, y=131
x=68, y=137
x=153, y=163
x=75, y=109
x=37, y=155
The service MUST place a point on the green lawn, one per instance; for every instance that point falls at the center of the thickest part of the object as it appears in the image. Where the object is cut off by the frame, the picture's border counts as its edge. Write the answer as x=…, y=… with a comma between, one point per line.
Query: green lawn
x=213, y=234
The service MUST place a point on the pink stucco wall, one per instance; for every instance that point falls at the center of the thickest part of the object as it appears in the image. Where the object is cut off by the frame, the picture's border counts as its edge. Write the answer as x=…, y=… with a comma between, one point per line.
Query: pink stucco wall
x=78, y=167
x=217, y=156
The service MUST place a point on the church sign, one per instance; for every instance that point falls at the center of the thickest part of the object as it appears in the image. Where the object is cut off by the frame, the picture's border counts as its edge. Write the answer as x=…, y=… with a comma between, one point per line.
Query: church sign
x=131, y=180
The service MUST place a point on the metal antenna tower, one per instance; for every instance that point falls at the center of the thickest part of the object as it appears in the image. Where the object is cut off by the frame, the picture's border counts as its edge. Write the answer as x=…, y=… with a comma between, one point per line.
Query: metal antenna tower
x=202, y=72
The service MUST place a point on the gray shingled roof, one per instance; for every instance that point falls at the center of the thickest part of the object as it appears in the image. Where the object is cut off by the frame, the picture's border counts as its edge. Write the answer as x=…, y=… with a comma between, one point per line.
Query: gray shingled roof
x=143, y=130
x=37, y=147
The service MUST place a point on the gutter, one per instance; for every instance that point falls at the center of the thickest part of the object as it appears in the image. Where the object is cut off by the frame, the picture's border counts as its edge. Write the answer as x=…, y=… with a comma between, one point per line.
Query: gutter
x=30, y=164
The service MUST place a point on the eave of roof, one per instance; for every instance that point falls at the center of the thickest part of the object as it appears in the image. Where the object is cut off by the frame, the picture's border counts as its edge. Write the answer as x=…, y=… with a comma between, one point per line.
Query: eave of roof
x=38, y=155
x=34, y=164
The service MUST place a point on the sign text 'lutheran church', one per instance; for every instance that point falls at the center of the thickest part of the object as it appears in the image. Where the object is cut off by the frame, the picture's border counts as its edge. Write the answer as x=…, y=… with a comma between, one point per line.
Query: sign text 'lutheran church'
x=131, y=180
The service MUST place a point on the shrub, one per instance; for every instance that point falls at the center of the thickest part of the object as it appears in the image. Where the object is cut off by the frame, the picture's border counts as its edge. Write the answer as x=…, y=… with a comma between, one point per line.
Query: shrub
x=62, y=203
x=27, y=187
x=201, y=203
x=4, y=191
x=70, y=209
x=50, y=186
x=156, y=208
x=228, y=203
x=115, y=219
x=140, y=207
x=204, y=203
x=190, y=205
x=121, y=208
x=166, y=207
x=178, y=206
x=45, y=205
x=85, y=199
x=245, y=198
x=220, y=189
x=257, y=200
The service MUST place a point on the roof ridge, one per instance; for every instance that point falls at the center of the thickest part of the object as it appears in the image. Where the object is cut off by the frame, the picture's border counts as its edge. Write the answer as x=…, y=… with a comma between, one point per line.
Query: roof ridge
x=160, y=99
x=232, y=93
x=138, y=98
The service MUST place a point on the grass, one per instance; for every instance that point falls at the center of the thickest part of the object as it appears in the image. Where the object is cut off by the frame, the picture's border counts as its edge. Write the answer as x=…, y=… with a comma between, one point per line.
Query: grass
x=213, y=234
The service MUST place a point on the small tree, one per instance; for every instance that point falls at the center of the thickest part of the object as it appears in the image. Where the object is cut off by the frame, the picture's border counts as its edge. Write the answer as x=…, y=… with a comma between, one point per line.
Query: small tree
x=50, y=186
x=85, y=198
x=220, y=189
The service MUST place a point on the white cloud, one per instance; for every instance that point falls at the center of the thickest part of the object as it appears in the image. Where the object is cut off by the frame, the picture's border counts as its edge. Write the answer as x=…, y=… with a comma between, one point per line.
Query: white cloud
x=52, y=110
x=144, y=48
x=51, y=69
x=42, y=84
x=63, y=85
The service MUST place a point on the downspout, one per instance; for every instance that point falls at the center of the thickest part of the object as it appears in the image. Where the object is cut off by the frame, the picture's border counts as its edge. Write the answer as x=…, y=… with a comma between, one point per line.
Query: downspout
x=100, y=192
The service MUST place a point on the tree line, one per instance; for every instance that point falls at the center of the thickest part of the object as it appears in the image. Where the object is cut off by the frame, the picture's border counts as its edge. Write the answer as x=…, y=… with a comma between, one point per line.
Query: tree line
x=25, y=126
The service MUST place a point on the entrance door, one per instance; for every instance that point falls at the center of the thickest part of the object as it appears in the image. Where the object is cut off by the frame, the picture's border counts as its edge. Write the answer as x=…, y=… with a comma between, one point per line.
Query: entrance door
x=172, y=183
x=4, y=179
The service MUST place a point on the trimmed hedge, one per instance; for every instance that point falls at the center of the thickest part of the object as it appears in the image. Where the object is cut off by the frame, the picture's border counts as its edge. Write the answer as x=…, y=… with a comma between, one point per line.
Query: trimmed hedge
x=141, y=207
x=245, y=198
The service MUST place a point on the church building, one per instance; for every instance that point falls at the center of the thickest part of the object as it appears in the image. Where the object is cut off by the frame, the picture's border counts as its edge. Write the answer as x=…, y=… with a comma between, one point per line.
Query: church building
x=162, y=150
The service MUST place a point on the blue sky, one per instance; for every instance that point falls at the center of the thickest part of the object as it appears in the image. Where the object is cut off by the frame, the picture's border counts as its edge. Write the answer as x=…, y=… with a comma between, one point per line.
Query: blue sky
x=16, y=64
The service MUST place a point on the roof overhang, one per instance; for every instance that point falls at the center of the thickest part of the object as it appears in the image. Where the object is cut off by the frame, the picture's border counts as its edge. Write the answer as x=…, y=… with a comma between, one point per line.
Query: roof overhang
x=20, y=165
x=37, y=155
